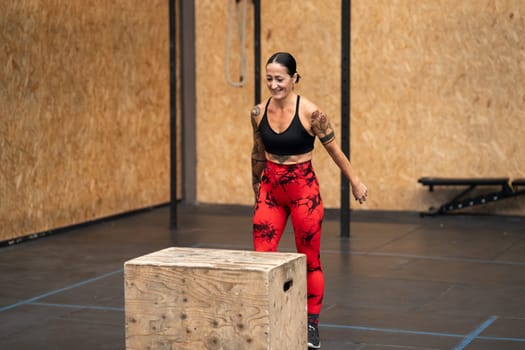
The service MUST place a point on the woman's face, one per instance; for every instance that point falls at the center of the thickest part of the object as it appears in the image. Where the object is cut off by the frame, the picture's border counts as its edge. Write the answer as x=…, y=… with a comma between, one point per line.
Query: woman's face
x=279, y=82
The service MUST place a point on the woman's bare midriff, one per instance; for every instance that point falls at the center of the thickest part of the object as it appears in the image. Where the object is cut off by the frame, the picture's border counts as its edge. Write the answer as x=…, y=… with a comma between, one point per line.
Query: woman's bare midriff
x=292, y=159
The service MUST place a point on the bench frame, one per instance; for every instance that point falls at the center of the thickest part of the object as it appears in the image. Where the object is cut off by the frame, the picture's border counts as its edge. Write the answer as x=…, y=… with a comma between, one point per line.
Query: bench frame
x=460, y=201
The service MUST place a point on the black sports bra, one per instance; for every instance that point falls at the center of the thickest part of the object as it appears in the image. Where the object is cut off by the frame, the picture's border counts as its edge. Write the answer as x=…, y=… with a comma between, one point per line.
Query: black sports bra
x=294, y=140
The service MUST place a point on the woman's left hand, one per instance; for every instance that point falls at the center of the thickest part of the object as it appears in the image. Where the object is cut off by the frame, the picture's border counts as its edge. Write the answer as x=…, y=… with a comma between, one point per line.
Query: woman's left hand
x=360, y=192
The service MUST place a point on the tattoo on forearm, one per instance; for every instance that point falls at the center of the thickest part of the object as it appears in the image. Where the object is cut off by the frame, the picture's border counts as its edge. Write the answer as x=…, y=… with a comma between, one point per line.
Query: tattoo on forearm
x=258, y=145
x=257, y=170
x=258, y=157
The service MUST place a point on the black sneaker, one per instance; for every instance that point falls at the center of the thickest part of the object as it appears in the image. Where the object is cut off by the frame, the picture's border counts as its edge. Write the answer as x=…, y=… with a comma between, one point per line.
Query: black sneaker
x=313, y=336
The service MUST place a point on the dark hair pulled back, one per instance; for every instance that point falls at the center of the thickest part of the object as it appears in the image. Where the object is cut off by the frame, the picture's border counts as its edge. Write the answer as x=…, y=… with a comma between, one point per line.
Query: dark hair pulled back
x=287, y=60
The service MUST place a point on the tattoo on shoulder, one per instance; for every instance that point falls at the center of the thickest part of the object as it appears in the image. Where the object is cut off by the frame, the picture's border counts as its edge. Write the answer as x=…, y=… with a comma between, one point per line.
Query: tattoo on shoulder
x=256, y=111
x=320, y=123
x=320, y=120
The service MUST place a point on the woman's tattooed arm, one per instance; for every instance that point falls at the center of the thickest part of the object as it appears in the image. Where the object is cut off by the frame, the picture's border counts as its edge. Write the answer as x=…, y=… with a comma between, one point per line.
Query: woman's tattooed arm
x=258, y=155
x=322, y=127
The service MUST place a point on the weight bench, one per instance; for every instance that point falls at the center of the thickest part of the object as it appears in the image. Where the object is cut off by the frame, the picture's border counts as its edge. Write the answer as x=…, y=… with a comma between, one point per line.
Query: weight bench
x=507, y=190
x=517, y=183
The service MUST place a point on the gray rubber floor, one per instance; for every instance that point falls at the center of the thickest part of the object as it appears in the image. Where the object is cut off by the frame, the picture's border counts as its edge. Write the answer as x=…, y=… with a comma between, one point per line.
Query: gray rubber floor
x=399, y=282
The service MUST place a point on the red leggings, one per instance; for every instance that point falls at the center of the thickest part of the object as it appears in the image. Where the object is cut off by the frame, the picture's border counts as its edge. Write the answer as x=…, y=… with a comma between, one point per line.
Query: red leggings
x=292, y=190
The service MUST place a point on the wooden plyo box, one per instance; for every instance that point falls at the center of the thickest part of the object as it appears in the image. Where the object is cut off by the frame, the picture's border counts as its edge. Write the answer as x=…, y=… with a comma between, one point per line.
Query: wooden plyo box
x=215, y=299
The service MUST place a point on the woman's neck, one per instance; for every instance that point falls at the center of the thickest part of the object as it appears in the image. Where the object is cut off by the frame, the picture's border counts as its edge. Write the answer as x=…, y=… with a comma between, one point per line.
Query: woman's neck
x=285, y=102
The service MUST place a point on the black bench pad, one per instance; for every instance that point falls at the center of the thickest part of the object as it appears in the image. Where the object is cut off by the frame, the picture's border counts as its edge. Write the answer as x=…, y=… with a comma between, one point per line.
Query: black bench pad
x=442, y=181
x=518, y=182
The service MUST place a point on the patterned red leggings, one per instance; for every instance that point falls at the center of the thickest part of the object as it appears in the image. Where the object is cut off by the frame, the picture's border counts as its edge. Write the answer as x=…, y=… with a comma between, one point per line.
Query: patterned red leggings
x=292, y=190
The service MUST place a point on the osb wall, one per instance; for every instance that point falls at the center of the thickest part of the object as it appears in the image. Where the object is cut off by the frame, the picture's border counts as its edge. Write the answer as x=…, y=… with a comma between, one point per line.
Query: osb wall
x=224, y=133
x=222, y=143
x=84, y=111
x=437, y=90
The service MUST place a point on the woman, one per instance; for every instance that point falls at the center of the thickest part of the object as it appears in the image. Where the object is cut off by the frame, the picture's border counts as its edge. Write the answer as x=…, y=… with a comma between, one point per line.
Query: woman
x=284, y=183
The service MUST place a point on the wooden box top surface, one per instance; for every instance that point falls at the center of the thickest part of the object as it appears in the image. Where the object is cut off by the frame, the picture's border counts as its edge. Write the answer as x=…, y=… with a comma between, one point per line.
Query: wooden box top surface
x=216, y=259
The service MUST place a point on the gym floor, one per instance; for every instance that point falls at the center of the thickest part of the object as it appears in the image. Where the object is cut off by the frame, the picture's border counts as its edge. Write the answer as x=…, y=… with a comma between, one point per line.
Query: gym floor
x=400, y=281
